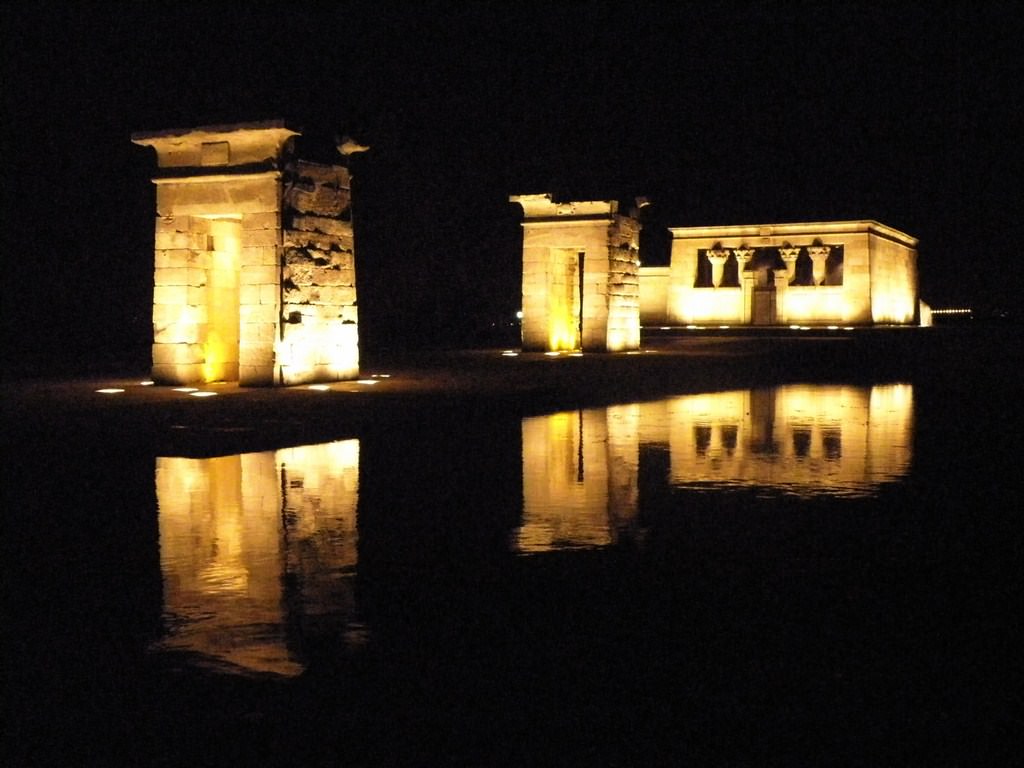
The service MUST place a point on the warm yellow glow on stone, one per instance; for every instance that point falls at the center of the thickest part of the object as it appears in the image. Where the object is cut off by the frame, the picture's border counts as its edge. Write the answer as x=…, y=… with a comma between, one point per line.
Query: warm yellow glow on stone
x=226, y=546
x=855, y=272
x=579, y=279
x=220, y=347
x=237, y=295
x=708, y=306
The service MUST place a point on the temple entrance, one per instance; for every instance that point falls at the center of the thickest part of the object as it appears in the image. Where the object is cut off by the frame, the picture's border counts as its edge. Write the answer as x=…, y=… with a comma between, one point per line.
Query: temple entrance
x=565, y=299
x=222, y=300
x=762, y=309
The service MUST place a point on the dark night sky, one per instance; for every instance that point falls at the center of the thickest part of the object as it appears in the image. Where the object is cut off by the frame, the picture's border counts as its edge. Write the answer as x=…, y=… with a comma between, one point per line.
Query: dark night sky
x=721, y=113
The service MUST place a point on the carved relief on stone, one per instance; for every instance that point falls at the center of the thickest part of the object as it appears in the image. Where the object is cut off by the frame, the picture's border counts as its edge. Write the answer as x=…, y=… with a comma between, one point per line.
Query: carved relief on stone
x=743, y=256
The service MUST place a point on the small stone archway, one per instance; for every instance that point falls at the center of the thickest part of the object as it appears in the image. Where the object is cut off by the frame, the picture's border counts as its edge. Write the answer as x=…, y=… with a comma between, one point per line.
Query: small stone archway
x=581, y=287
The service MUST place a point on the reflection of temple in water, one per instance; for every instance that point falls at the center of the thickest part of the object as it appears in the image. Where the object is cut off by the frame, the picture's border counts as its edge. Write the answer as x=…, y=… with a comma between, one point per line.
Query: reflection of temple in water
x=581, y=468
x=257, y=550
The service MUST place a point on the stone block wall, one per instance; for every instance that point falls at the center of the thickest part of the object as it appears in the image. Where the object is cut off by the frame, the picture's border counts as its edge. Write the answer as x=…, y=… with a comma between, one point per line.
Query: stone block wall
x=559, y=239
x=869, y=277
x=623, y=303
x=254, y=277
x=319, y=338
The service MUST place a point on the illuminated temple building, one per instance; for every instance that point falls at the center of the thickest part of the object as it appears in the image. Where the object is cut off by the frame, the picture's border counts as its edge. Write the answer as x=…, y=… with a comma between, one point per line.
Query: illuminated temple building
x=836, y=272
x=254, y=266
x=254, y=277
x=584, y=289
x=581, y=286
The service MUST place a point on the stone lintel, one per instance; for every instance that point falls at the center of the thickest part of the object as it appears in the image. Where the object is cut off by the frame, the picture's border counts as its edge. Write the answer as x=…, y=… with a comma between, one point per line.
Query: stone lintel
x=203, y=176
x=755, y=233
x=542, y=207
x=217, y=146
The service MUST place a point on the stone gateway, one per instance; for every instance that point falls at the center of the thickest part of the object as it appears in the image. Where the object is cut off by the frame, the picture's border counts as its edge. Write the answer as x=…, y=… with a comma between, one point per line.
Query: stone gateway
x=254, y=259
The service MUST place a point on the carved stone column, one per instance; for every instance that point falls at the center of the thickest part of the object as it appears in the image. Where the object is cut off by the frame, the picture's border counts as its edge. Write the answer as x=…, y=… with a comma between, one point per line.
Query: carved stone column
x=819, y=254
x=782, y=280
x=747, y=283
x=717, y=257
x=789, y=255
x=743, y=257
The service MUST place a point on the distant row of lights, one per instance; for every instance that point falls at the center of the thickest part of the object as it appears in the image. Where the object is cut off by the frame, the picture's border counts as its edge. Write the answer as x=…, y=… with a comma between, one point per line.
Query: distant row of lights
x=952, y=311
x=196, y=392
x=573, y=353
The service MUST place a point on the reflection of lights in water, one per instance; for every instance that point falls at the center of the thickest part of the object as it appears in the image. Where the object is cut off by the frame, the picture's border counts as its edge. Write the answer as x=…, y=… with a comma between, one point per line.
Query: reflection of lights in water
x=366, y=381
x=581, y=468
x=147, y=383
x=224, y=578
x=510, y=353
x=110, y=391
x=319, y=387
x=202, y=394
x=235, y=529
x=185, y=389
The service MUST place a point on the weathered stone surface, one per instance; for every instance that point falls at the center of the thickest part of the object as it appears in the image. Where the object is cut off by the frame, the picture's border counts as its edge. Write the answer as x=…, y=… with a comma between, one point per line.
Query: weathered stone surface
x=262, y=220
x=259, y=275
x=257, y=237
x=318, y=189
x=324, y=225
x=176, y=354
x=240, y=206
x=260, y=256
x=258, y=313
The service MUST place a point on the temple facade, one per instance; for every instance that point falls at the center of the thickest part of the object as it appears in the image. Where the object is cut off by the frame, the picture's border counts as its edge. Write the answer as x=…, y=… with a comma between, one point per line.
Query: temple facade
x=823, y=273
x=254, y=259
x=581, y=285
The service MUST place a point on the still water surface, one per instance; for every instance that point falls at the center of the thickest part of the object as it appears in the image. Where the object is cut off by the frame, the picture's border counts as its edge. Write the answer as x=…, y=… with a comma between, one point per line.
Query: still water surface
x=798, y=575
x=258, y=550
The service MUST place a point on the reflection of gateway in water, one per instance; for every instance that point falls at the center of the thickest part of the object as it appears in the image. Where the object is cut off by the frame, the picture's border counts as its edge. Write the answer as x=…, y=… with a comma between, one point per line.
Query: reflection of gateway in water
x=581, y=469
x=253, y=543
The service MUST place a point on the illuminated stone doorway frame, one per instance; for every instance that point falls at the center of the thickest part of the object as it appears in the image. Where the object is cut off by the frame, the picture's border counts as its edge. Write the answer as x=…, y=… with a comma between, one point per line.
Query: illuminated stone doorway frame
x=254, y=275
x=580, y=277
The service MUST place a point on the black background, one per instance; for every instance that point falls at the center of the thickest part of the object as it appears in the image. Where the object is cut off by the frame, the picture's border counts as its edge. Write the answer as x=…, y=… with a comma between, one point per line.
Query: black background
x=720, y=113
